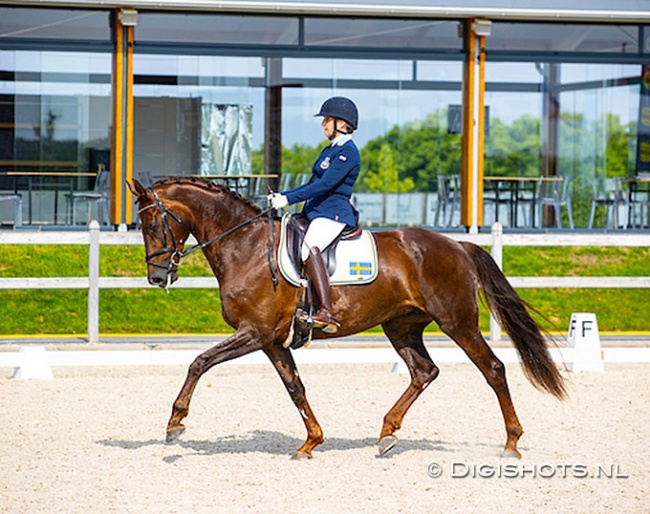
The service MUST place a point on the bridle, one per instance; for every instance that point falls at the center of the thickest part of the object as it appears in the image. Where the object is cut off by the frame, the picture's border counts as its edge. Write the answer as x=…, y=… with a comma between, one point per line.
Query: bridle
x=176, y=254
x=175, y=259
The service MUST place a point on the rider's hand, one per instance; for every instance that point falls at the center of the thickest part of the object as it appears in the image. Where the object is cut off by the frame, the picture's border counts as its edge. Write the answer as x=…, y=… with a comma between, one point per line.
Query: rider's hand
x=277, y=200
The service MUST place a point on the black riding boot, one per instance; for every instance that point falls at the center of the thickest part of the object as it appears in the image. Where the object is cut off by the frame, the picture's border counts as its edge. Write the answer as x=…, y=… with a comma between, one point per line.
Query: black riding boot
x=317, y=272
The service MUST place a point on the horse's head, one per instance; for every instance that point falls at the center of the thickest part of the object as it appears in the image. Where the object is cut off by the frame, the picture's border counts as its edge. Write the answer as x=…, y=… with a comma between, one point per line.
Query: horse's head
x=163, y=230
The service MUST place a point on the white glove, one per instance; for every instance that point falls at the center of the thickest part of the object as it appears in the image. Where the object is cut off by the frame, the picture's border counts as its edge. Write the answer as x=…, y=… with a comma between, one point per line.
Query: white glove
x=277, y=200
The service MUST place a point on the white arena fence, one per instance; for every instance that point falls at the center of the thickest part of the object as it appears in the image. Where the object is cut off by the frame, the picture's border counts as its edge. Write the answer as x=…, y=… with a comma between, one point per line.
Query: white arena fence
x=94, y=239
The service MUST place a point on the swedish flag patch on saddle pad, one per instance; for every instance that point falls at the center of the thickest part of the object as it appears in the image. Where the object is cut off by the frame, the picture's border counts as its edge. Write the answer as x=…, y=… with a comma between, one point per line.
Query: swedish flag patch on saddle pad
x=356, y=260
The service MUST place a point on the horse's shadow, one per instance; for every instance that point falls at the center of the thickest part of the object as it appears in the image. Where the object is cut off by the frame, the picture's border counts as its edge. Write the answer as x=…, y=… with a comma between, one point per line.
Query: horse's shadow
x=276, y=443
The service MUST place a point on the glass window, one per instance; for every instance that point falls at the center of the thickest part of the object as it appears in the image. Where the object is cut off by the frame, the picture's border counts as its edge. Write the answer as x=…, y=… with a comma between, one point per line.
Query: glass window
x=54, y=24
x=403, y=136
x=208, y=29
x=400, y=34
x=55, y=121
x=347, y=69
x=563, y=37
x=197, y=114
x=573, y=120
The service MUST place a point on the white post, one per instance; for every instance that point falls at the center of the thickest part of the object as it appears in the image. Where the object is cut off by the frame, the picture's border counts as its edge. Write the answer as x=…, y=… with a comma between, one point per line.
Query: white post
x=497, y=255
x=93, y=283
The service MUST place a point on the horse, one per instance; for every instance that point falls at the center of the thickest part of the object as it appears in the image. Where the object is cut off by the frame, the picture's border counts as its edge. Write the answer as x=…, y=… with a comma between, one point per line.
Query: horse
x=423, y=277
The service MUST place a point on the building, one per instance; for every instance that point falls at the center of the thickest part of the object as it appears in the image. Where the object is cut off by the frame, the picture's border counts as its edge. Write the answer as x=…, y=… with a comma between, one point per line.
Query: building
x=156, y=88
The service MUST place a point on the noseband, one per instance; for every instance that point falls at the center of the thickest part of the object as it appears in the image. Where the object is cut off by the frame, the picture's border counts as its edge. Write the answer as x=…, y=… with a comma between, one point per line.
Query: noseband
x=176, y=255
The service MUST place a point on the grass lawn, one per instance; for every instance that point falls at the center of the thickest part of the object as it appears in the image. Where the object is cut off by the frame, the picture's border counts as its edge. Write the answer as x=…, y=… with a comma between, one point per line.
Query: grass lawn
x=198, y=311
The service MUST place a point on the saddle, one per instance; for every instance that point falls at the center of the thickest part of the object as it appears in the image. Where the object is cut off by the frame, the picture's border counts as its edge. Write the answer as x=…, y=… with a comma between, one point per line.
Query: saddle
x=296, y=229
x=301, y=331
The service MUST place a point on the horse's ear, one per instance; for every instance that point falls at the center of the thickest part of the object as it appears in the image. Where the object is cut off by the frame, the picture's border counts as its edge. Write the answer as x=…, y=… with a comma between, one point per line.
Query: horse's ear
x=136, y=189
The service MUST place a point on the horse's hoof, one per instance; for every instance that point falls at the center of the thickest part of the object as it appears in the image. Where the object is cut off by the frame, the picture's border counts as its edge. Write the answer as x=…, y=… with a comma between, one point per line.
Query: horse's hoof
x=174, y=433
x=386, y=444
x=301, y=456
x=509, y=453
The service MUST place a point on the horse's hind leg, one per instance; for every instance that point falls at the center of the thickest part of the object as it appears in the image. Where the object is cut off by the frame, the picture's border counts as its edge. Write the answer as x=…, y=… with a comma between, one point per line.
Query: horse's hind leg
x=240, y=343
x=286, y=367
x=406, y=336
x=477, y=349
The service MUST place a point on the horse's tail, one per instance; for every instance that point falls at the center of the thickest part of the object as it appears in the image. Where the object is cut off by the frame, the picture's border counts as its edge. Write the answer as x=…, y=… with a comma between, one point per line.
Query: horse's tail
x=512, y=313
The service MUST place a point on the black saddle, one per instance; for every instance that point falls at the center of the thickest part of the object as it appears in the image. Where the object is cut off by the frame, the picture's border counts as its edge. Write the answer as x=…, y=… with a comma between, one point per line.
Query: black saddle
x=296, y=228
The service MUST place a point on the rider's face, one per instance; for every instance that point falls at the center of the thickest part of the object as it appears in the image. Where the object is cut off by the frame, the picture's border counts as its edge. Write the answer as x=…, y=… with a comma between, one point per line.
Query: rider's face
x=328, y=126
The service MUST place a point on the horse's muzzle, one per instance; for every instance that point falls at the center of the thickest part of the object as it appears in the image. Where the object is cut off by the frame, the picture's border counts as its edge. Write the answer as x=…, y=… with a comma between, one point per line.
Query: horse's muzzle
x=162, y=278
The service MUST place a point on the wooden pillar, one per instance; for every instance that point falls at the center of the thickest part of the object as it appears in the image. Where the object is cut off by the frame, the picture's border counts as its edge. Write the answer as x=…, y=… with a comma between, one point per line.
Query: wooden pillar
x=122, y=129
x=473, y=136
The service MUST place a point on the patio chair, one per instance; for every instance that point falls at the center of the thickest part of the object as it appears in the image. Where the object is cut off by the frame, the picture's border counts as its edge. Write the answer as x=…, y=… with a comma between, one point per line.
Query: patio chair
x=17, y=201
x=448, y=199
x=639, y=203
x=608, y=193
x=556, y=194
x=98, y=196
x=498, y=193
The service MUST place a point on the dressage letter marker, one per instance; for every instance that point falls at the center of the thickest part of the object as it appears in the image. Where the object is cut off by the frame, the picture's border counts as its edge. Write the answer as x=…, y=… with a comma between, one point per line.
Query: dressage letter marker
x=35, y=364
x=585, y=341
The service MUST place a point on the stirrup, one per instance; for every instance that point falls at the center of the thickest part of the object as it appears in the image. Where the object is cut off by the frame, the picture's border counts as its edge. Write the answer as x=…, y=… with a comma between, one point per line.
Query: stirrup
x=331, y=326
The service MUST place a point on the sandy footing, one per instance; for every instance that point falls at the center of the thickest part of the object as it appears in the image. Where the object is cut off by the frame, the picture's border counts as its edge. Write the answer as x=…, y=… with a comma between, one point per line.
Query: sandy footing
x=92, y=440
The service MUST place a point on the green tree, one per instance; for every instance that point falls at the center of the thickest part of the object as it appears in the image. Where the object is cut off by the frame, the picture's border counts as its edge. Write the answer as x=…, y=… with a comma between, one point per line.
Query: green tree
x=422, y=150
x=514, y=150
x=386, y=179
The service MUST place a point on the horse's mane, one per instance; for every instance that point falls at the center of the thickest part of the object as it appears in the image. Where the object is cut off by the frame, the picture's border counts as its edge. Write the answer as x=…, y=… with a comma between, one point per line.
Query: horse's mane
x=208, y=185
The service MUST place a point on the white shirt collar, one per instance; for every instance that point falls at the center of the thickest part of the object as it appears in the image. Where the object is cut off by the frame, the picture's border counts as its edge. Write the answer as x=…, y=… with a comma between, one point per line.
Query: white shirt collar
x=341, y=140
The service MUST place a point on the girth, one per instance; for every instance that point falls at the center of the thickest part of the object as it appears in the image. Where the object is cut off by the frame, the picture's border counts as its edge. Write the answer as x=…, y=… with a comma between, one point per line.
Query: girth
x=296, y=229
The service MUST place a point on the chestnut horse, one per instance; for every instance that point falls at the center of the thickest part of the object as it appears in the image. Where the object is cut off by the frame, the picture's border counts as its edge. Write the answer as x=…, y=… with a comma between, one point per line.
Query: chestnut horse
x=423, y=277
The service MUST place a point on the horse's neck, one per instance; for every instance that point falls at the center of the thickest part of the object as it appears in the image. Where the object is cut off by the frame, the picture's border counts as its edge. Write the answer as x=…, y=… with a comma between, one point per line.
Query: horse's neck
x=214, y=215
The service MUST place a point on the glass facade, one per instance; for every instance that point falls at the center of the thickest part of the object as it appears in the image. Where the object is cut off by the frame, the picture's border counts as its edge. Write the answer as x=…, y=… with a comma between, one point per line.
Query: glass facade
x=235, y=95
x=55, y=107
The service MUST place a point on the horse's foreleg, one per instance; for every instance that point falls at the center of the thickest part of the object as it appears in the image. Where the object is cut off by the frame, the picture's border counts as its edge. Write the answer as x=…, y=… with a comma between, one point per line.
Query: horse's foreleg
x=408, y=342
x=240, y=343
x=286, y=367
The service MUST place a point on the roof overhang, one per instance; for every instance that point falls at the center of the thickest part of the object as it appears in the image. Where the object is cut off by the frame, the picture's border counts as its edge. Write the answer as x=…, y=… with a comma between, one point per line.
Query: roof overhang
x=626, y=12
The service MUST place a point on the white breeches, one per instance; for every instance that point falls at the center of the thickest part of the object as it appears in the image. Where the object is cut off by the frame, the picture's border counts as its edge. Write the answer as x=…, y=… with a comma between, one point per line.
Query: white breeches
x=320, y=233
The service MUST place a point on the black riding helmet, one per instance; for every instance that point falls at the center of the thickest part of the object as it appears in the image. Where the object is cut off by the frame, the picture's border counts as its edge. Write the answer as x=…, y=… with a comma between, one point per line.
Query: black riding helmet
x=341, y=108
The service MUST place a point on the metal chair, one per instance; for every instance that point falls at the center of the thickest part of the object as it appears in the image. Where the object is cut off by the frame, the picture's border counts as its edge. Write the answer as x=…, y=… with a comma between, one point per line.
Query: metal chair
x=608, y=194
x=638, y=204
x=556, y=194
x=98, y=196
x=18, y=207
x=497, y=193
x=285, y=181
x=448, y=199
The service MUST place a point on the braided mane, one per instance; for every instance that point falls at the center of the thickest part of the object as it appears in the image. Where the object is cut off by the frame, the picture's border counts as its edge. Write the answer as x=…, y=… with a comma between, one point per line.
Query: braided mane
x=208, y=185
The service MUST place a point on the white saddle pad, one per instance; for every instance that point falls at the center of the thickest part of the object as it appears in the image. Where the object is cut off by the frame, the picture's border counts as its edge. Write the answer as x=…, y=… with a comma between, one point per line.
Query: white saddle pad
x=356, y=260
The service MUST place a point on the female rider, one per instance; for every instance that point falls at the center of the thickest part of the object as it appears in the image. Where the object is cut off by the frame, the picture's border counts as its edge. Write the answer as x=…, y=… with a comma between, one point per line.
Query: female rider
x=327, y=199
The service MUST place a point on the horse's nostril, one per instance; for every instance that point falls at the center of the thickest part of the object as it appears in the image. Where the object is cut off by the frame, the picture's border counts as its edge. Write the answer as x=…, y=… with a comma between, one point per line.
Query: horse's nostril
x=155, y=281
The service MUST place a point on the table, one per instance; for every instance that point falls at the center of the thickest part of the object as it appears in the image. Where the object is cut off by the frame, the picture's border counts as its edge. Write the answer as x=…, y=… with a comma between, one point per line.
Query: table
x=30, y=175
x=514, y=186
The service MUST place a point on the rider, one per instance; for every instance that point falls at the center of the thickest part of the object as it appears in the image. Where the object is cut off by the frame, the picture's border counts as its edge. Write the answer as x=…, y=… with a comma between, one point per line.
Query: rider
x=327, y=199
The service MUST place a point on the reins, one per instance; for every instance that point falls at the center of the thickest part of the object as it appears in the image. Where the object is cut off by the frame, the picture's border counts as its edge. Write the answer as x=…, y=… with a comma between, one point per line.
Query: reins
x=179, y=255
